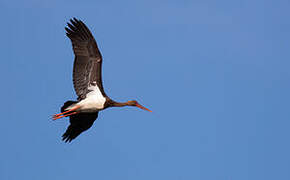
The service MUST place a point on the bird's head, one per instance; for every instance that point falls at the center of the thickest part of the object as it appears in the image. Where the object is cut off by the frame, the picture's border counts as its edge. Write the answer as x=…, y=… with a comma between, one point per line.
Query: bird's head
x=135, y=103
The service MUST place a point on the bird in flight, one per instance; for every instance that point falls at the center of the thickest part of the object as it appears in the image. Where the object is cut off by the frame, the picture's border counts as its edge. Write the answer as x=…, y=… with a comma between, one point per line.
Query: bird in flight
x=87, y=81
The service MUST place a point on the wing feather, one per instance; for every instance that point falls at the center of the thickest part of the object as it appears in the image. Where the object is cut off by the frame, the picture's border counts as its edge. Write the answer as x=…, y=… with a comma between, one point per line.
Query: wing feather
x=88, y=59
x=78, y=122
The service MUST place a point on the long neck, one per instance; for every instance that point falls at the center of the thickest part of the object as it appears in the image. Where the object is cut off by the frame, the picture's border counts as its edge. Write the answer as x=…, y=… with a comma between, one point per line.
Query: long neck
x=119, y=104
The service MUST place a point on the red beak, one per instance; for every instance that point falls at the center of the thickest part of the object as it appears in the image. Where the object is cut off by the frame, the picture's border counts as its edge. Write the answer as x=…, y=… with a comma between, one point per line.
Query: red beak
x=142, y=107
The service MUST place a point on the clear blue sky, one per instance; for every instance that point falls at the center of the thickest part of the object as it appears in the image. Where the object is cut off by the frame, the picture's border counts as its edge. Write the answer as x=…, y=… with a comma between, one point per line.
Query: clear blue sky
x=215, y=73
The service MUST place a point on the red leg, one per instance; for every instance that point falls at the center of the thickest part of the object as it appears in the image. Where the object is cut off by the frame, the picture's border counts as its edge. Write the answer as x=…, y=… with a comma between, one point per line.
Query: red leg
x=72, y=109
x=58, y=117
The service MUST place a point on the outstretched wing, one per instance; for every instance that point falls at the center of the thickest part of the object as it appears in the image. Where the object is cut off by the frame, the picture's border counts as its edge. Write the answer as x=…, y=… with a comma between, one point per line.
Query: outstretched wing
x=78, y=123
x=88, y=59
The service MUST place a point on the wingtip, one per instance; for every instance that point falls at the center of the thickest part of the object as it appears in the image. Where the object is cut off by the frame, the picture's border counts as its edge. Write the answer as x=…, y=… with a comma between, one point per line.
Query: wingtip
x=72, y=21
x=66, y=138
x=75, y=20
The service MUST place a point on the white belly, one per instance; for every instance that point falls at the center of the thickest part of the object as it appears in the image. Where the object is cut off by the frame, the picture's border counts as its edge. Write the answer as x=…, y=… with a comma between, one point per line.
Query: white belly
x=93, y=102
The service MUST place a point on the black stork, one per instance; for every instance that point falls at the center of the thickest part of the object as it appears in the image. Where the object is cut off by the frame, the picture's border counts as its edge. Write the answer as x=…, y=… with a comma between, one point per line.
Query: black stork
x=87, y=81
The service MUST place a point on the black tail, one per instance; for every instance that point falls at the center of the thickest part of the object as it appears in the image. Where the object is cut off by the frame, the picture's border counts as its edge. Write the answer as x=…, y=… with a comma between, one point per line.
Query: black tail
x=67, y=104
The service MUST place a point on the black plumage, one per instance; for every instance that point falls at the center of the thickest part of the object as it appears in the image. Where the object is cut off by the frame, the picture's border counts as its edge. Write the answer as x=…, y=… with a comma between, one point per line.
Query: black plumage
x=78, y=122
x=87, y=80
x=88, y=59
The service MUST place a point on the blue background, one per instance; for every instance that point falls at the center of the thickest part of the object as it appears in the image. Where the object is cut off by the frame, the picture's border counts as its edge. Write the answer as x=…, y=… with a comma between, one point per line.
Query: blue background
x=215, y=74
